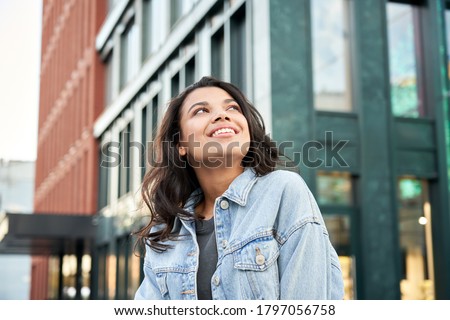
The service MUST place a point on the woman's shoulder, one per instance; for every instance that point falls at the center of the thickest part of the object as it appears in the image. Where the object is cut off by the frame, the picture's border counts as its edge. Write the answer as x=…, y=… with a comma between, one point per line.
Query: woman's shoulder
x=284, y=177
x=287, y=183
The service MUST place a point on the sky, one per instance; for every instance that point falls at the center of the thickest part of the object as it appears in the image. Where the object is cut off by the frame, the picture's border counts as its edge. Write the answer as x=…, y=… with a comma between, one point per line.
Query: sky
x=20, y=51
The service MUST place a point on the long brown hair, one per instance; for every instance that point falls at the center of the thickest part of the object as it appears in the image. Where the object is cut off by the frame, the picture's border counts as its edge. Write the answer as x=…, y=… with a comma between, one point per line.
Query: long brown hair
x=170, y=180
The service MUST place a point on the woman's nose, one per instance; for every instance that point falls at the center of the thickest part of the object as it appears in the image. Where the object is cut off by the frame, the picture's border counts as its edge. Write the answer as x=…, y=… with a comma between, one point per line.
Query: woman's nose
x=221, y=115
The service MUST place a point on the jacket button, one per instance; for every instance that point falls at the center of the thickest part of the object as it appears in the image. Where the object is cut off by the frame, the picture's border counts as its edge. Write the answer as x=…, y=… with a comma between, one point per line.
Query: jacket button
x=224, y=244
x=216, y=280
x=260, y=259
x=224, y=204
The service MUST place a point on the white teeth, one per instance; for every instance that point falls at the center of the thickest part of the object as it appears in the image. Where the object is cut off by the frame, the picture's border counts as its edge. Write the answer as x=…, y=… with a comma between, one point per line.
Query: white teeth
x=224, y=130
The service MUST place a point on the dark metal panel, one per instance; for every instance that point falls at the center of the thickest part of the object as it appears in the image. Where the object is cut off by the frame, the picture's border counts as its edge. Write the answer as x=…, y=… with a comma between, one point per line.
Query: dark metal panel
x=343, y=125
x=338, y=133
x=45, y=233
x=421, y=164
x=416, y=134
x=334, y=158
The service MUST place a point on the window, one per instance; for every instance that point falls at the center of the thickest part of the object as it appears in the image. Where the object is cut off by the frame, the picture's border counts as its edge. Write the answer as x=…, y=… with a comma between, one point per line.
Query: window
x=335, y=198
x=179, y=8
x=176, y=11
x=102, y=262
x=86, y=267
x=144, y=141
x=338, y=226
x=122, y=267
x=146, y=28
x=238, y=49
x=228, y=46
x=403, y=66
x=128, y=48
x=155, y=103
x=104, y=179
x=109, y=79
x=447, y=32
x=175, y=85
x=149, y=123
x=69, y=271
x=331, y=55
x=217, y=54
x=53, y=278
x=135, y=271
x=414, y=214
x=190, y=72
x=125, y=155
x=334, y=188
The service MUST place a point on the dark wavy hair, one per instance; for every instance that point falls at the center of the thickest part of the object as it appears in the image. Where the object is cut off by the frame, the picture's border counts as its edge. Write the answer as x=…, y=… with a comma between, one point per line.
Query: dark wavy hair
x=170, y=180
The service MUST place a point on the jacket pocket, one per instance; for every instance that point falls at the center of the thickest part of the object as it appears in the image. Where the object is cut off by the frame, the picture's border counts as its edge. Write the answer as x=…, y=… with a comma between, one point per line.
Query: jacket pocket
x=161, y=280
x=255, y=259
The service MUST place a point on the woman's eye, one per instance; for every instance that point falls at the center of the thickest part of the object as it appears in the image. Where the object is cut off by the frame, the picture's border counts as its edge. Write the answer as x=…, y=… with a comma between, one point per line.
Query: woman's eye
x=234, y=107
x=200, y=110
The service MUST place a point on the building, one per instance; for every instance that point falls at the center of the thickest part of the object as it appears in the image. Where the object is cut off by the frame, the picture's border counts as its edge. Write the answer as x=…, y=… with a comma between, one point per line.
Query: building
x=71, y=98
x=16, y=196
x=354, y=91
x=365, y=78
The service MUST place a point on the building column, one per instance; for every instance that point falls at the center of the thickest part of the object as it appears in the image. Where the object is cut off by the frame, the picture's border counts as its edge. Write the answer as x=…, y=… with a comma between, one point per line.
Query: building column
x=291, y=74
x=378, y=259
x=437, y=88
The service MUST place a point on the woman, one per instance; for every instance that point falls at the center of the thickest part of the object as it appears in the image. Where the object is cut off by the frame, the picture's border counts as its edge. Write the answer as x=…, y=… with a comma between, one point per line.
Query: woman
x=224, y=223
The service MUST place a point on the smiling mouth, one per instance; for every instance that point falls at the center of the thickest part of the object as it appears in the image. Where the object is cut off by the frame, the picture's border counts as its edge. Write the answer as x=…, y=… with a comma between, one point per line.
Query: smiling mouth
x=223, y=131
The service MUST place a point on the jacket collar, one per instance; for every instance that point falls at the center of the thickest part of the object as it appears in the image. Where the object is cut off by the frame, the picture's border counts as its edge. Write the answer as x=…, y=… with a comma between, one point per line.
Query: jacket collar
x=238, y=190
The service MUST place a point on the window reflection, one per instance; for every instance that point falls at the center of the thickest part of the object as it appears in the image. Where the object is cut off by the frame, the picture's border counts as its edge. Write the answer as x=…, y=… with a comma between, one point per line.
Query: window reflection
x=331, y=55
x=129, y=63
x=415, y=239
x=402, y=60
x=339, y=230
x=217, y=54
x=53, y=278
x=109, y=79
x=334, y=188
x=111, y=276
x=147, y=24
x=447, y=29
x=69, y=271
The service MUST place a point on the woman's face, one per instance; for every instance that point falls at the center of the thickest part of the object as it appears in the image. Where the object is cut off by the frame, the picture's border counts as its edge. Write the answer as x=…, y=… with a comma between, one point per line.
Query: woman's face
x=214, y=131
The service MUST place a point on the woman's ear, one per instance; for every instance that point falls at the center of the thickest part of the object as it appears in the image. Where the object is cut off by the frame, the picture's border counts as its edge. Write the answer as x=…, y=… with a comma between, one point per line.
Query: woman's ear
x=182, y=151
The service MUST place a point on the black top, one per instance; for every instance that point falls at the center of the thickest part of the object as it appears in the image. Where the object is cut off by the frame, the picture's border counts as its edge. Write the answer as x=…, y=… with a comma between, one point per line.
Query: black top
x=206, y=239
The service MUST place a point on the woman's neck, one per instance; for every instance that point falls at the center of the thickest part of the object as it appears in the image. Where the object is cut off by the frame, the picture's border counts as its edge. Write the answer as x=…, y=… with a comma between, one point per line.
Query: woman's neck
x=214, y=182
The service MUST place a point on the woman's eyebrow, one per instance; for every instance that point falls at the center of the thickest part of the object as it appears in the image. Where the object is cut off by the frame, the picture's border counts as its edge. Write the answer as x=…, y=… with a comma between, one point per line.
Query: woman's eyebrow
x=205, y=103
x=201, y=103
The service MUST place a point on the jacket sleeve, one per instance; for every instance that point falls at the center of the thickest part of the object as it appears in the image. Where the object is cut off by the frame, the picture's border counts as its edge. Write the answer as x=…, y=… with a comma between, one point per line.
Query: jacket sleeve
x=309, y=267
x=308, y=264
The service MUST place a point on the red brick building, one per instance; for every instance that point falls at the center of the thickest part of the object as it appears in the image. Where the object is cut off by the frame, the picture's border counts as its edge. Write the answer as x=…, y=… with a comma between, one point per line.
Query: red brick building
x=71, y=97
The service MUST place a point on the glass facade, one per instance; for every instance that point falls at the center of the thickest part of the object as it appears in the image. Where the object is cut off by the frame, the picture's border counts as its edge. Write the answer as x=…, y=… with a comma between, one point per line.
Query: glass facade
x=331, y=55
x=414, y=215
x=335, y=197
x=334, y=188
x=109, y=91
x=147, y=26
x=128, y=49
x=403, y=62
x=338, y=226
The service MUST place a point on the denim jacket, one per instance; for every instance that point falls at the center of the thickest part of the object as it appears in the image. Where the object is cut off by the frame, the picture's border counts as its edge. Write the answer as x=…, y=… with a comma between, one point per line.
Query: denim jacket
x=272, y=244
